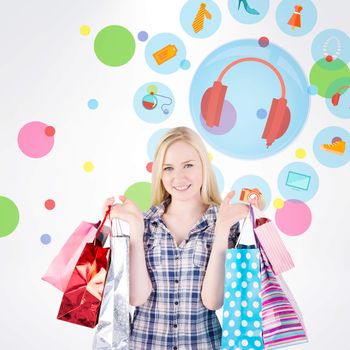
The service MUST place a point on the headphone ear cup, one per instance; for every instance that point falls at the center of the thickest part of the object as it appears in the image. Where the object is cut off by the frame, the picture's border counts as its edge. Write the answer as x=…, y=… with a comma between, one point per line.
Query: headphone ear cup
x=277, y=122
x=212, y=104
x=335, y=99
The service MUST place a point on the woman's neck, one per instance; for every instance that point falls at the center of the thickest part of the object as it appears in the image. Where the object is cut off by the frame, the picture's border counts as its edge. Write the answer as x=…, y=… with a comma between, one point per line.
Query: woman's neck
x=186, y=209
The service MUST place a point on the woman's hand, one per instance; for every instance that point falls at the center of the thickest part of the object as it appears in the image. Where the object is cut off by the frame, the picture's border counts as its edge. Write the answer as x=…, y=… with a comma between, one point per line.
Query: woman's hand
x=229, y=214
x=126, y=211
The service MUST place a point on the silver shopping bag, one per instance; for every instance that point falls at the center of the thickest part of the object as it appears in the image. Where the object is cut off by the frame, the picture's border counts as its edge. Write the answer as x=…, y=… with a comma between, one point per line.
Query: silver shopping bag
x=113, y=328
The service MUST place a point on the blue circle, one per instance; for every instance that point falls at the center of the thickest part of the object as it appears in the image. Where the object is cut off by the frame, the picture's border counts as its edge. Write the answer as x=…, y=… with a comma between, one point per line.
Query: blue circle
x=308, y=16
x=219, y=178
x=248, y=12
x=261, y=113
x=168, y=49
x=342, y=109
x=142, y=36
x=312, y=90
x=210, y=15
x=163, y=100
x=298, y=181
x=251, y=181
x=325, y=137
x=92, y=104
x=185, y=64
x=331, y=42
x=153, y=142
x=45, y=239
x=251, y=86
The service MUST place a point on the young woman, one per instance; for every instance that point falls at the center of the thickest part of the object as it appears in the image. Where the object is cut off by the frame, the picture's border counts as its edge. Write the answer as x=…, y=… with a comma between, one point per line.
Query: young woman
x=177, y=248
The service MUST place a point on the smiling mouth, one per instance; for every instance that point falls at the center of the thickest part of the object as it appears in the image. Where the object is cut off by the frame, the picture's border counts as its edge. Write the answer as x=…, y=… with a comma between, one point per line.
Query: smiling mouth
x=181, y=188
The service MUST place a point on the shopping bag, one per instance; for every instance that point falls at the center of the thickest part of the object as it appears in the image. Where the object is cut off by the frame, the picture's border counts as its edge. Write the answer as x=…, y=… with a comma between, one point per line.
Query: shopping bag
x=62, y=266
x=81, y=300
x=242, y=322
x=273, y=246
x=113, y=328
x=281, y=319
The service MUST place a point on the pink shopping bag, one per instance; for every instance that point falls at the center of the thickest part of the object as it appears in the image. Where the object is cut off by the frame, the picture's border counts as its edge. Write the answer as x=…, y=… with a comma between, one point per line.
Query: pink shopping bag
x=273, y=246
x=62, y=266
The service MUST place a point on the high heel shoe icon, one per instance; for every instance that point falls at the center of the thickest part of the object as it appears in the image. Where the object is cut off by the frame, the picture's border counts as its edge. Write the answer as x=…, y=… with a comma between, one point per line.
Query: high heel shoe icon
x=250, y=10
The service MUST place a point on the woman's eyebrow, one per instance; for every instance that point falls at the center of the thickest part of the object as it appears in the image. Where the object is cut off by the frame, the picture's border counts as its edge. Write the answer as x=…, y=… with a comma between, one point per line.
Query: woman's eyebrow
x=187, y=161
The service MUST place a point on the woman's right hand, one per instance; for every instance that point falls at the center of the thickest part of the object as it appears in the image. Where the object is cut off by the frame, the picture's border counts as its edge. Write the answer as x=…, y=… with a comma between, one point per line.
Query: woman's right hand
x=126, y=211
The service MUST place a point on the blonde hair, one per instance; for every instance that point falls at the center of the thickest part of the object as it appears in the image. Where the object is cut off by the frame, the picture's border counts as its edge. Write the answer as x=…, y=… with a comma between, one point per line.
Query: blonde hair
x=209, y=191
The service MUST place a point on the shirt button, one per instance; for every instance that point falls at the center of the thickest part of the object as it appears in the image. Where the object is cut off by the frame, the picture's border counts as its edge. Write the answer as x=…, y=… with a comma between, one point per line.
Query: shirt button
x=175, y=347
x=176, y=281
x=175, y=325
x=177, y=257
x=176, y=303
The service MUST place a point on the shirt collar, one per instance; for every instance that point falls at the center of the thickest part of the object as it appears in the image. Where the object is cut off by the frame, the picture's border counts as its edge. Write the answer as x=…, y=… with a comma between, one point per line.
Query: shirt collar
x=155, y=212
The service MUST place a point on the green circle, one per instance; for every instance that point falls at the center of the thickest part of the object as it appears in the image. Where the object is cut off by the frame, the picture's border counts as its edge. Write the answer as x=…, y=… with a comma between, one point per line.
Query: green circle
x=114, y=45
x=9, y=216
x=328, y=76
x=140, y=194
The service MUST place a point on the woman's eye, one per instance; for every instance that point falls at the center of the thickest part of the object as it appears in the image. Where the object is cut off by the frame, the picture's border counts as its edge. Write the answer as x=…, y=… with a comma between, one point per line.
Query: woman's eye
x=168, y=168
x=189, y=165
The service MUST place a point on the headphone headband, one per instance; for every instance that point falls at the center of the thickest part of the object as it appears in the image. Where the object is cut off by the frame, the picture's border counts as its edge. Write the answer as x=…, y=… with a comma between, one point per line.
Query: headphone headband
x=255, y=59
x=343, y=87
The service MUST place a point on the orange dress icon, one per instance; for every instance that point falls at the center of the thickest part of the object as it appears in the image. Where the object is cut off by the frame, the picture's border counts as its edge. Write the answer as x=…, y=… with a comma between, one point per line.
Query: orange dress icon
x=165, y=54
x=295, y=21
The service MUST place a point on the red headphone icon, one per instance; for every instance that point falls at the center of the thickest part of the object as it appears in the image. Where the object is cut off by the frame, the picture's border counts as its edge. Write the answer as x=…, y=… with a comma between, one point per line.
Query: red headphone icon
x=336, y=96
x=279, y=114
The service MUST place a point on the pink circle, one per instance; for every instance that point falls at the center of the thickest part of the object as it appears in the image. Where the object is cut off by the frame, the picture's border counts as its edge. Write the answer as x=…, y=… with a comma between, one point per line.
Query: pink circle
x=33, y=140
x=50, y=204
x=294, y=218
x=149, y=167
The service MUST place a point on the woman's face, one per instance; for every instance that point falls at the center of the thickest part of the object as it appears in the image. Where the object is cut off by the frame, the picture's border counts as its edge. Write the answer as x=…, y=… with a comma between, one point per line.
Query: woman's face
x=182, y=174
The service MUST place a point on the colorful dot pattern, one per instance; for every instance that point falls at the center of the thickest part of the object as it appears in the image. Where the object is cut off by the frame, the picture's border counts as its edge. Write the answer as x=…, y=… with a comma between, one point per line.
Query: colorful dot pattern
x=242, y=322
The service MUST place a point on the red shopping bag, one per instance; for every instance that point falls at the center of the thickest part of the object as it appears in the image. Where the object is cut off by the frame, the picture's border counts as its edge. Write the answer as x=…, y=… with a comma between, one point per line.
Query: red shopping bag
x=82, y=298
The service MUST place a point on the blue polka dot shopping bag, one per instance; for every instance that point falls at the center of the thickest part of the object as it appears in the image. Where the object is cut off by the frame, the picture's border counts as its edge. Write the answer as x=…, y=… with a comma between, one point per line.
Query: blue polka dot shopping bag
x=242, y=310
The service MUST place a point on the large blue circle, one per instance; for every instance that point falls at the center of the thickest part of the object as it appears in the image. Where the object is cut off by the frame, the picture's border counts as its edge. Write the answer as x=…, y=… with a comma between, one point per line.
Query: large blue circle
x=251, y=86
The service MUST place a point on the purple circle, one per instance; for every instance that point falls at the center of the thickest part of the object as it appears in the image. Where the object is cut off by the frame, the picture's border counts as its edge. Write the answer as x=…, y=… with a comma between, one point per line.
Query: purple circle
x=228, y=120
x=336, y=138
x=261, y=113
x=45, y=239
x=142, y=36
x=264, y=41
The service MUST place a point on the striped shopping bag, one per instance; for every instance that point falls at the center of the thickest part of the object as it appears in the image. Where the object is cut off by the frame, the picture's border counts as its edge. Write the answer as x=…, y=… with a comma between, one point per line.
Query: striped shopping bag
x=282, y=323
x=274, y=248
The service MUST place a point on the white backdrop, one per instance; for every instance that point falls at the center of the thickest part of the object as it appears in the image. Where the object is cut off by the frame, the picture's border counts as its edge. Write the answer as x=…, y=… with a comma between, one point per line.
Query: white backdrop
x=48, y=71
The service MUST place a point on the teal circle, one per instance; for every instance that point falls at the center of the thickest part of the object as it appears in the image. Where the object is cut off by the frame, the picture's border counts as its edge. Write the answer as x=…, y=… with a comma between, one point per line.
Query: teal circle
x=326, y=136
x=248, y=11
x=299, y=181
x=250, y=86
x=312, y=90
x=219, y=178
x=210, y=25
x=114, y=45
x=308, y=16
x=331, y=42
x=159, y=46
x=153, y=142
x=185, y=64
x=92, y=104
x=251, y=181
x=165, y=103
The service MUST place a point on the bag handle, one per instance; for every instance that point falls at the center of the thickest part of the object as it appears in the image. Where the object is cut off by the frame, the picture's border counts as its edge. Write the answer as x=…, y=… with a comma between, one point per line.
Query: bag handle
x=251, y=215
x=107, y=214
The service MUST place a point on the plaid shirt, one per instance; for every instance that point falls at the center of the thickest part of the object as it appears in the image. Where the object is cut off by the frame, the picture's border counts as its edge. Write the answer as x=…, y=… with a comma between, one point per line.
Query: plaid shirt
x=174, y=317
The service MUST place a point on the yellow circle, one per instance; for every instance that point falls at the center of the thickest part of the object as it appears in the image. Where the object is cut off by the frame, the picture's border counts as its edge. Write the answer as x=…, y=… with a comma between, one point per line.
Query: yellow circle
x=88, y=167
x=211, y=157
x=85, y=30
x=278, y=203
x=300, y=153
